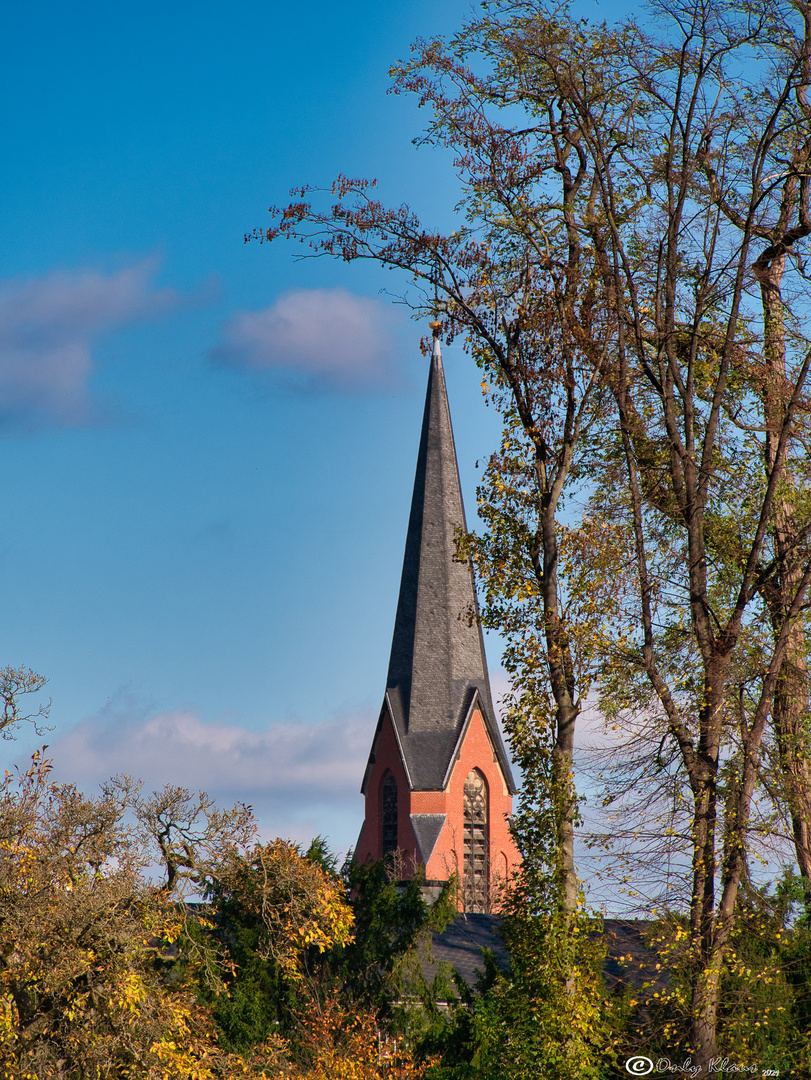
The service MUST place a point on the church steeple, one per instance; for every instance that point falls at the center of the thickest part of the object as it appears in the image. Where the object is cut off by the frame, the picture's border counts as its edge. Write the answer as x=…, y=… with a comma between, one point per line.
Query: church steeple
x=437, y=661
x=438, y=783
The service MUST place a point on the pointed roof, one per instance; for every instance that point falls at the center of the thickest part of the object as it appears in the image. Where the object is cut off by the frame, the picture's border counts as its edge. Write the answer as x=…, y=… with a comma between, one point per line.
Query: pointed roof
x=437, y=666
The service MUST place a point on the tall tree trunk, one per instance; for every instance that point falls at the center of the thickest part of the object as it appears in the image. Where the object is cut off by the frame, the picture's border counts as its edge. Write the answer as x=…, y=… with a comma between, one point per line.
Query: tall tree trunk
x=790, y=714
x=790, y=708
x=561, y=680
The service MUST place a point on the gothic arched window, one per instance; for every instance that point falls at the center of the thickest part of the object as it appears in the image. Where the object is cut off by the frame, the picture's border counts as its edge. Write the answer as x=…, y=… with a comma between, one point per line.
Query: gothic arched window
x=476, y=890
x=389, y=814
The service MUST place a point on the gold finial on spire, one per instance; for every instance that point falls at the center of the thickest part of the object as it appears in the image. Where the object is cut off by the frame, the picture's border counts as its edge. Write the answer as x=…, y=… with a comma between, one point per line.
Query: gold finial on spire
x=436, y=329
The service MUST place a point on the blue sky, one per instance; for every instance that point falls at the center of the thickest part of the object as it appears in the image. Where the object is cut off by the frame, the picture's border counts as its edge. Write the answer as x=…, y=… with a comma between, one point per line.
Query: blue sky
x=207, y=448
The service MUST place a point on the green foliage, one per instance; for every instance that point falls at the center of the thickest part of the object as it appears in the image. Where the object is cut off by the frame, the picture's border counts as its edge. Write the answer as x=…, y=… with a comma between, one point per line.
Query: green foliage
x=393, y=924
x=319, y=853
x=377, y=970
x=255, y=999
x=764, y=1013
x=766, y=988
x=272, y=915
x=546, y=1017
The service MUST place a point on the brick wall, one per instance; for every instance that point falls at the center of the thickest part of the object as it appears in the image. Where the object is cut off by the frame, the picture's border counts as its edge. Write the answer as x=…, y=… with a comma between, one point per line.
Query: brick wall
x=476, y=752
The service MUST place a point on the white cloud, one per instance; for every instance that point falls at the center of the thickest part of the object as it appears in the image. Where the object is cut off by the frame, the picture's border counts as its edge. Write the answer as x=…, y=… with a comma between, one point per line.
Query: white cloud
x=301, y=779
x=47, y=327
x=327, y=337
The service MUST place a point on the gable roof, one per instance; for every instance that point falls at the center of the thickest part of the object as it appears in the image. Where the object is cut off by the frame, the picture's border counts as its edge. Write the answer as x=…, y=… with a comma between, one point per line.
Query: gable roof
x=437, y=666
x=629, y=960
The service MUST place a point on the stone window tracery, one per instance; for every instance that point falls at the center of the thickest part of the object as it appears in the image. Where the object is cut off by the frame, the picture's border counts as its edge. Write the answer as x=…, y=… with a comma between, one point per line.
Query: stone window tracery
x=476, y=884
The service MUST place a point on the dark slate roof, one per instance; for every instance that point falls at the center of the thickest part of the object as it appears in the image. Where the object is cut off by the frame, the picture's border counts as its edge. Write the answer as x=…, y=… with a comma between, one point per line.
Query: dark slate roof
x=437, y=665
x=460, y=944
x=629, y=960
x=427, y=828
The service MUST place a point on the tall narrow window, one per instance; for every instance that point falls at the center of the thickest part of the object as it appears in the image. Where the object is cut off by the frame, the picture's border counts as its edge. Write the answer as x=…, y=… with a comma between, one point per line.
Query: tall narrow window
x=476, y=890
x=389, y=807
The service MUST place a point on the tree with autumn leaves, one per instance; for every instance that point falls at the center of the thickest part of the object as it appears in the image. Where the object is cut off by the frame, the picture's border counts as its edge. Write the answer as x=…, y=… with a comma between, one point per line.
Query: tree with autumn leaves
x=629, y=273
x=104, y=973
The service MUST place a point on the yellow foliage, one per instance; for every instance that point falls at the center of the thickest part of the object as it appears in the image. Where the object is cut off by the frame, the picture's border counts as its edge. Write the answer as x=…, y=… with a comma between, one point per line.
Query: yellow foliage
x=299, y=905
x=341, y=1047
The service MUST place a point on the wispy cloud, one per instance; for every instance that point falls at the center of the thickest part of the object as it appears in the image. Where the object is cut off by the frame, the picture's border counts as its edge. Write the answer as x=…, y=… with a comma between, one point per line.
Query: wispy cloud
x=47, y=329
x=301, y=779
x=327, y=338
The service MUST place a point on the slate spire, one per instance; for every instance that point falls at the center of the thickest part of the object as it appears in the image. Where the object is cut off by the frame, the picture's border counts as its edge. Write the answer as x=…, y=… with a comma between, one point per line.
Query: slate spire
x=437, y=666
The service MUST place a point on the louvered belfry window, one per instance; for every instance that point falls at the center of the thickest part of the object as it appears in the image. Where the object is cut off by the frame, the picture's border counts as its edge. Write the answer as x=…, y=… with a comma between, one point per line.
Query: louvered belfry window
x=475, y=871
x=389, y=815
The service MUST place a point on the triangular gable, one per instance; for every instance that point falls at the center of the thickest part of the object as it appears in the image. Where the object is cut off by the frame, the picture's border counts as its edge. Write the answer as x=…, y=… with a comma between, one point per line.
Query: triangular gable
x=494, y=736
x=385, y=711
x=428, y=757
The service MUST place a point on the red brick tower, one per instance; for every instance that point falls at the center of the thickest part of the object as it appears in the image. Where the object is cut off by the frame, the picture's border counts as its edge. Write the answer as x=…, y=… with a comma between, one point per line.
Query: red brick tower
x=438, y=783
